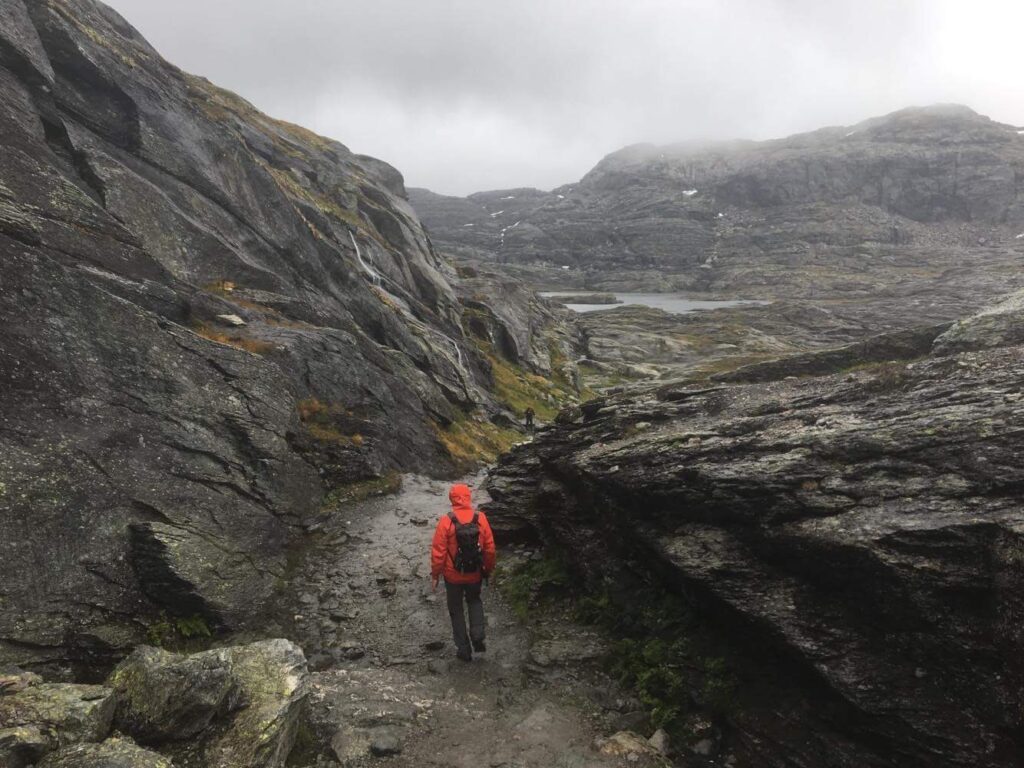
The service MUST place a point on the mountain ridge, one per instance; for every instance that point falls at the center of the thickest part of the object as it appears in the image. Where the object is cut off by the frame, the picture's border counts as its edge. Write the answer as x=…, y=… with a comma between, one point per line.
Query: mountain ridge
x=715, y=215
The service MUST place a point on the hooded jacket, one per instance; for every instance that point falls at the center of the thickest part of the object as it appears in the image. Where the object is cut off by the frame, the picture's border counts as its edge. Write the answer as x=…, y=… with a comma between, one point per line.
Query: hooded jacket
x=444, y=547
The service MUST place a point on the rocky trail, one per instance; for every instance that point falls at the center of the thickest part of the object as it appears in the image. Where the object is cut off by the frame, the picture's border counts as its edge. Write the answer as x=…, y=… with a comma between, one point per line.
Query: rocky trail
x=385, y=682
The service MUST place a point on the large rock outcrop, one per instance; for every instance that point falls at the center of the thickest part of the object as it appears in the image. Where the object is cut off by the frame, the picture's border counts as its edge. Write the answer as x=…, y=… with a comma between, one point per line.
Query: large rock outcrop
x=205, y=312
x=855, y=542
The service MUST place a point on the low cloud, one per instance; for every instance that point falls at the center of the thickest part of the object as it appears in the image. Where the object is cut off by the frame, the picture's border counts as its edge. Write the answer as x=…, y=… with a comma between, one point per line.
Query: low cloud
x=463, y=95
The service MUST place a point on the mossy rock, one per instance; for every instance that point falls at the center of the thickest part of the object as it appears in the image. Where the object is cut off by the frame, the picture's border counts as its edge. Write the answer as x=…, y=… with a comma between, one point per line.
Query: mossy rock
x=51, y=715
x=167, y=696
x=271, y=674
x=113, y=753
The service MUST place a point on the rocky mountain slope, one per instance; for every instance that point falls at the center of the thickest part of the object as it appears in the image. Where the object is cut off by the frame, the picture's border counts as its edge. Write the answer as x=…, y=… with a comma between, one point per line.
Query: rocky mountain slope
x=892, y=202
x=849, y=543
x=207, y=318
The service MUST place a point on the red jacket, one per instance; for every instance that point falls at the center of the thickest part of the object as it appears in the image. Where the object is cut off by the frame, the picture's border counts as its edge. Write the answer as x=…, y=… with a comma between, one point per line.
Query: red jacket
x=444, y=547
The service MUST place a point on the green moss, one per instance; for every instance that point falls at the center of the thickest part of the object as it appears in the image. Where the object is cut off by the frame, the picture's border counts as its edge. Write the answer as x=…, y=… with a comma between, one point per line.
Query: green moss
x=179, y=632
x=291, y=186
x=525, y=586
x=519, y=389
x=731, y=363
x=388, y=483
x=660, y=652
x=325, y=422
x=470, y=442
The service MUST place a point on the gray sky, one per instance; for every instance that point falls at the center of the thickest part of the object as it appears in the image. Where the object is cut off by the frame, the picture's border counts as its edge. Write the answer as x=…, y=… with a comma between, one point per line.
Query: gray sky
x=466, y=95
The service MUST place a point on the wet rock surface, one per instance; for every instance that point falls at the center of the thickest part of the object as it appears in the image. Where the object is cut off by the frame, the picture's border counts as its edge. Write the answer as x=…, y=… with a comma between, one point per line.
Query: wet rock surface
x=208, y=317
x=164, y=696
x=853, y=541
x=45, y=716
x=407, y=691
x=271, y=674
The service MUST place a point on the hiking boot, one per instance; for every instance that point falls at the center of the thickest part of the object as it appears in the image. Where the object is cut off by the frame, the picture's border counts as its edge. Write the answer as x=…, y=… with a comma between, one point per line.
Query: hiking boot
x=464, y=655
x=479, y=646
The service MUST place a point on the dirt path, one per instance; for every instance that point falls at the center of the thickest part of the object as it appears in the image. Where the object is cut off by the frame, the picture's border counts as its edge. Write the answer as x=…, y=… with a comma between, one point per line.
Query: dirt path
x=387, y=684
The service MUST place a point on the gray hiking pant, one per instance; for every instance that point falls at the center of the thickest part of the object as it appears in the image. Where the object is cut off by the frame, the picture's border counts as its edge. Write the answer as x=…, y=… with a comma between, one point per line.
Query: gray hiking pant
x=470, y=593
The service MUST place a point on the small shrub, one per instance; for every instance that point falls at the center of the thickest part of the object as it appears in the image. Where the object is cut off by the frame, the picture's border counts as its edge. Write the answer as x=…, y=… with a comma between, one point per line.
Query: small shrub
x=390, y=482
x=178, y=632
x=469, y=442
x=889, y=377
x=324, y=422
x=524, y=586
x=256, y=346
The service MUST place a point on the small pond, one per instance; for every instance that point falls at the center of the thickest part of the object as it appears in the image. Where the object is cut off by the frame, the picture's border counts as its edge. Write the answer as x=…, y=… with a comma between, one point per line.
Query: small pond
x=669, y=302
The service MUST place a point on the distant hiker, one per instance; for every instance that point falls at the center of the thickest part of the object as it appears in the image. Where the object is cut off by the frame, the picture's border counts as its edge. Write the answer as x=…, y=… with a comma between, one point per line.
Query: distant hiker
x=463, y=552
x=529, y=419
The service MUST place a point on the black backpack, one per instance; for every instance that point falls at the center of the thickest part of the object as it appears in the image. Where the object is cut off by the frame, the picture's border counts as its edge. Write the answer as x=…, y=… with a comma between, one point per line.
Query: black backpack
x=468, y=557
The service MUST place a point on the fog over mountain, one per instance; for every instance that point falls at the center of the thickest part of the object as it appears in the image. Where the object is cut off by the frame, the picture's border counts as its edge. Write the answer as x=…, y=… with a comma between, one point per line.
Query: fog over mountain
x=463, y=96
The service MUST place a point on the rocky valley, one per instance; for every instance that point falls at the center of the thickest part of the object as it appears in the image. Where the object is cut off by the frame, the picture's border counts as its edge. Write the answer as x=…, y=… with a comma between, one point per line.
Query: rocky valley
x=238, y=362
x=907, y=219
x=211, y=318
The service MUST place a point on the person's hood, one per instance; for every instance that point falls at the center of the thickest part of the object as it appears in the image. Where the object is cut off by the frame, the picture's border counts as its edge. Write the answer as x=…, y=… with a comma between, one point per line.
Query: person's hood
x=461, y=498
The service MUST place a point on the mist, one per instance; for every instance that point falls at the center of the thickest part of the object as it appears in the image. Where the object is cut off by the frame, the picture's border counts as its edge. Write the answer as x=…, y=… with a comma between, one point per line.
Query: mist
x=463, y=96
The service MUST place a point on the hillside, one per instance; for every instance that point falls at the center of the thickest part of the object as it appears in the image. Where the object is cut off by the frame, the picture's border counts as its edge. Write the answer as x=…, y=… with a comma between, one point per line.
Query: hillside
x=896, y=201
x=210, y=318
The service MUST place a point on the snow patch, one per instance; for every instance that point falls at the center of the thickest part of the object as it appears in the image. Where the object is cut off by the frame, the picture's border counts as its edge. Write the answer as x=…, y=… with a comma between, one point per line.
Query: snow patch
x=720, y=216
x=496, y=213
x=469, y=225
x=560, y=197
x=566, y=266
x=846, y=135
x=510, y=197
x=1018, y=237
x=689, y=192
x=1020, y=132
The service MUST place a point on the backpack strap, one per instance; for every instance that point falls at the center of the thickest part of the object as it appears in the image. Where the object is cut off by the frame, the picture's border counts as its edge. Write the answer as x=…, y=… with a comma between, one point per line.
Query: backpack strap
x=454, y=519
x=476, y=518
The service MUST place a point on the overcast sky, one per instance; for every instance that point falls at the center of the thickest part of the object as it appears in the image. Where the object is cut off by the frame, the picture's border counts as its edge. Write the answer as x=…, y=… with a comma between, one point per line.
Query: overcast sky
x=466, y=95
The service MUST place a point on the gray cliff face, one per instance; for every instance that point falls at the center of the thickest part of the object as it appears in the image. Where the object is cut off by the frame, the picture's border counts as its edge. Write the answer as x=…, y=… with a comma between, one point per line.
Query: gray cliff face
x=854, y=540
x=208, y=315
x=827, y=211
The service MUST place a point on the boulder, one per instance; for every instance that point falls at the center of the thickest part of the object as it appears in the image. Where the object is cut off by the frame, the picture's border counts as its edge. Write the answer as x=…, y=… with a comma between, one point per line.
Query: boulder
x=46, y=716
x=165, y=696
x=271, y=674
x=629, y=745
x=233, y=707
x=112, y=753
x=661, y=742
x=23, y=745
x=997, y=326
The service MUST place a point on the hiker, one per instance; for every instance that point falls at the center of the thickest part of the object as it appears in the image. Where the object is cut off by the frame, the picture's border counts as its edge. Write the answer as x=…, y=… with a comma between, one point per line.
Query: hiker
x=463, y=552
x=529, y=419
